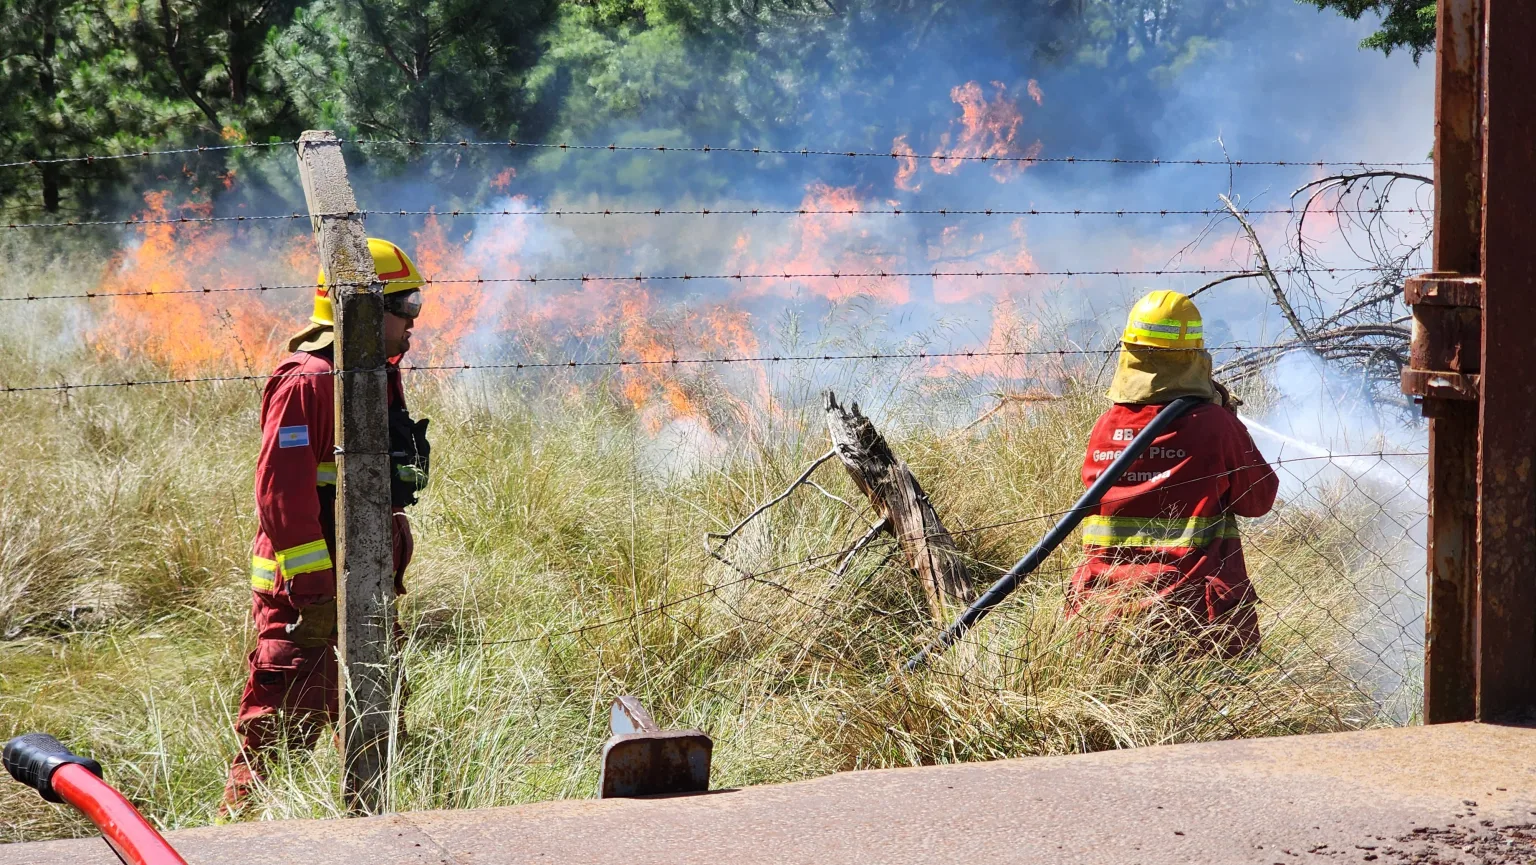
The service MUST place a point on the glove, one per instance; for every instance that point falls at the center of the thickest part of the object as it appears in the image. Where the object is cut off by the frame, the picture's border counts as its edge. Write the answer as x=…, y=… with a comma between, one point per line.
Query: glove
x=1224, y=397
x=316, y=626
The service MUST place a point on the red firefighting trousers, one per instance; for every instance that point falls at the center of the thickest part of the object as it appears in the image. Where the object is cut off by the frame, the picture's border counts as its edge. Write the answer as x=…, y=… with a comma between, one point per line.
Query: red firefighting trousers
x=291, y=692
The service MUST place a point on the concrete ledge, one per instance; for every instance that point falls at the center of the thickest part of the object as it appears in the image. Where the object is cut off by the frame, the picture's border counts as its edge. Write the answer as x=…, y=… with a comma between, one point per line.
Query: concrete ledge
x=1461, y=793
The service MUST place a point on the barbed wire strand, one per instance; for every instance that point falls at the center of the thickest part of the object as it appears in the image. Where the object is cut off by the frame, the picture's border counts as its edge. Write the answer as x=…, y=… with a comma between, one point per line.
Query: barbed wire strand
x=685, y=277
x=457, y=213
x=144, y=154
x=866, y=154
x=707, y=149
x=612, y=364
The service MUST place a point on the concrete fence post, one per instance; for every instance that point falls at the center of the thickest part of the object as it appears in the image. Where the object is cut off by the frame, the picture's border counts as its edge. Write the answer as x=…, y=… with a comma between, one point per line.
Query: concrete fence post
x=364, y=550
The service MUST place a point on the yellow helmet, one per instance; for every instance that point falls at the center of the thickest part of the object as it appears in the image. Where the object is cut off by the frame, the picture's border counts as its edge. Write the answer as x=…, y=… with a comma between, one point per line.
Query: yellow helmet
x=1164, y=319
x=395, y=269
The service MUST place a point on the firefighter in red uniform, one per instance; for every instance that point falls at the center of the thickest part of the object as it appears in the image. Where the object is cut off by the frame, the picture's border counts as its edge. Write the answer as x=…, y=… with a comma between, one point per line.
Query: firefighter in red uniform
x=292, y=690
x=1165, y=537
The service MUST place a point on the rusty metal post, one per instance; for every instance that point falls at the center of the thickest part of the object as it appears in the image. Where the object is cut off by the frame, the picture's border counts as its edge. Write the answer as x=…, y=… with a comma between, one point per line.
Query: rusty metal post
x=365, y=584
x=1445, y=361
x=1506, y=476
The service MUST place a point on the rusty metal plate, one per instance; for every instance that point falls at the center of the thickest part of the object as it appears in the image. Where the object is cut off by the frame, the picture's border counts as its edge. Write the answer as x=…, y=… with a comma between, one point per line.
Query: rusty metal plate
x=1448, y=338
x=1447, y=330
x=663, y=762
x=1443, y=289
x=641, y=759
x=1439, y=385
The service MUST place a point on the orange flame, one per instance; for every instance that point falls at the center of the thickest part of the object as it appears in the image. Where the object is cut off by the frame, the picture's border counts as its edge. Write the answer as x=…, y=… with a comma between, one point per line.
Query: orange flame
x=188, y=332
x=194, y=331
x=452, y=311
x=652, y=338
x=826, y=244
x=1009, y=333
x=460, y=306
x=1012, y=257
x=986, y=129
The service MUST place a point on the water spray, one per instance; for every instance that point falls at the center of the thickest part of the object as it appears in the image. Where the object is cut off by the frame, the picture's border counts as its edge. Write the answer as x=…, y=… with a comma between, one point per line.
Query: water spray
x=1353, y=466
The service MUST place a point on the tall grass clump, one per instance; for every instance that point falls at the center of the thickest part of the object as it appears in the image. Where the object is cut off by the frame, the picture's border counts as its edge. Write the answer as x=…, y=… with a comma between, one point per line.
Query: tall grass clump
x=561, y=562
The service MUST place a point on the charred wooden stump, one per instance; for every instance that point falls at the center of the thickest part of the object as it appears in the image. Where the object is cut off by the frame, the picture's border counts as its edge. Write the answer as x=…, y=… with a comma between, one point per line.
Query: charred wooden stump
x=900, y=500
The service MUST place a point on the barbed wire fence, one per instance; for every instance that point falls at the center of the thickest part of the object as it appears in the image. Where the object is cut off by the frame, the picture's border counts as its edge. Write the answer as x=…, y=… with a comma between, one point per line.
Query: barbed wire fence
x=1336, y=566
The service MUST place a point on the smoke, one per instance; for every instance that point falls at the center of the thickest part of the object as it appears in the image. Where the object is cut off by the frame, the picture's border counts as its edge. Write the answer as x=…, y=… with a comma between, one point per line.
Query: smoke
x=1269, y=89
x=1271, y=81
x=1339, y=453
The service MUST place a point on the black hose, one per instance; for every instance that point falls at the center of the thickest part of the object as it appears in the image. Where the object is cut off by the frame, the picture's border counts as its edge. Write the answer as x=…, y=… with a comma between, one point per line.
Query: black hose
x=1090, y=499
x=33, y=758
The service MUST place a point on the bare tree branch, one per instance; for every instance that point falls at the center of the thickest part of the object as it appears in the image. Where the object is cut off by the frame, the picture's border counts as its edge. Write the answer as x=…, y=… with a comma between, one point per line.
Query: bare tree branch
x=804, y=476
x=858, y=547
x=1003, y=401
x=1269, y=274
x=1247, y=274
x=1340, y=179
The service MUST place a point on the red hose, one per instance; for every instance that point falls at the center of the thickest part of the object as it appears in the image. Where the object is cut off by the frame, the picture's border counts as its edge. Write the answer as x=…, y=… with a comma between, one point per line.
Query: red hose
x=120, y=823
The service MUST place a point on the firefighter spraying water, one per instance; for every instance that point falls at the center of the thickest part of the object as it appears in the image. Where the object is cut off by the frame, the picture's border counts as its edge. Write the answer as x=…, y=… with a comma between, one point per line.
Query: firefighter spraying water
x=1167, y=537
x=1169, y=468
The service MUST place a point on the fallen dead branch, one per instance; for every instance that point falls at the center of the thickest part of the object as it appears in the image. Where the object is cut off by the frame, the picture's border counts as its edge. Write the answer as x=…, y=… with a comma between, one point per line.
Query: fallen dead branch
x=805, y=476
x=899, y=499
x=1269, y=273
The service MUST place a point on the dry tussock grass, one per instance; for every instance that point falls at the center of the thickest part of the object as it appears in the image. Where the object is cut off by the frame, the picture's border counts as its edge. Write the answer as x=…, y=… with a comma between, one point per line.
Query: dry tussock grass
x=561, y=563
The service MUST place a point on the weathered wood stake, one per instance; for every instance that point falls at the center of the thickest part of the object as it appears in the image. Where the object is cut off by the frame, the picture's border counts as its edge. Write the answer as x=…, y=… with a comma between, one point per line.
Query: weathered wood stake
x=365, y=584
x=900, y=500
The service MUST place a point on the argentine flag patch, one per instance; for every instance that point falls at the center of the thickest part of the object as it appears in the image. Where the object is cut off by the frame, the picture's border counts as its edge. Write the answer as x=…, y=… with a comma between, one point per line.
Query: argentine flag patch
x=293, y=436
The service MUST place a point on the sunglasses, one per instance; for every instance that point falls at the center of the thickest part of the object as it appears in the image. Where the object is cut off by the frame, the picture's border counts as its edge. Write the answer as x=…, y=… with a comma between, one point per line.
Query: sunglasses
x=406, y=304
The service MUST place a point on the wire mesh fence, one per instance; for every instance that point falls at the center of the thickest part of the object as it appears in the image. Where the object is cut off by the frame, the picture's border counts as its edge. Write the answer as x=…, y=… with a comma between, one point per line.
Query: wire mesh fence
x=786, y=646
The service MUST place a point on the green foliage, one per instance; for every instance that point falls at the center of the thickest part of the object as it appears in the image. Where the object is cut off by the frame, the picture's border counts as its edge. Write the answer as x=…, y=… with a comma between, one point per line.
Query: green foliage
x=94, y=76
x=763, y=73
x=208, y=53
x=87, y=76
x=404, y=69
x=61, y=73
x=1406, y=24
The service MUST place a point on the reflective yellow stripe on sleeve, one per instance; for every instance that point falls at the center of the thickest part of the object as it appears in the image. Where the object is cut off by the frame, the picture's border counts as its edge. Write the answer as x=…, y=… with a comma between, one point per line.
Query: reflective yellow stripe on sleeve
x=325, y=475
x=263, y=574
x=1156, y=532
x=304, y=559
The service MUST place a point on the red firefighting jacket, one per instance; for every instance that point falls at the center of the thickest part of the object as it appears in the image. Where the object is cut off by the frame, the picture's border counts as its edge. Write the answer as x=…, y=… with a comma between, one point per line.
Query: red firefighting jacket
x=291, y=557
x=1167, y=530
